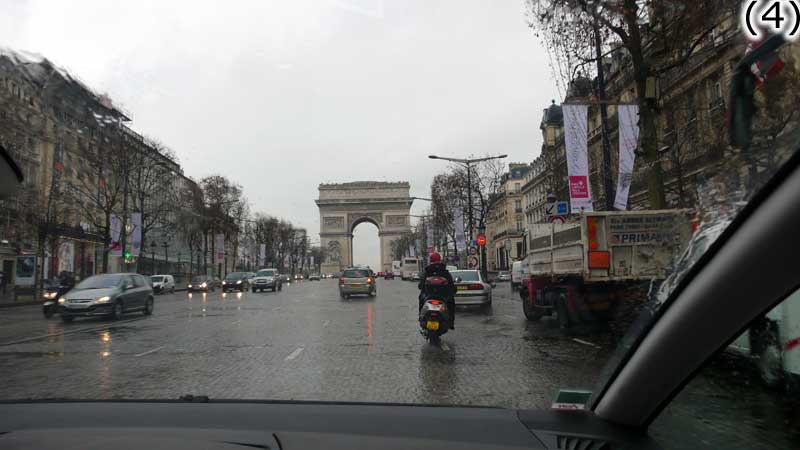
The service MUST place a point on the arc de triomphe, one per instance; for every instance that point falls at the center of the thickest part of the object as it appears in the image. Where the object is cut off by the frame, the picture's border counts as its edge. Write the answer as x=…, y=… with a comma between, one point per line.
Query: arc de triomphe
x=343, y=206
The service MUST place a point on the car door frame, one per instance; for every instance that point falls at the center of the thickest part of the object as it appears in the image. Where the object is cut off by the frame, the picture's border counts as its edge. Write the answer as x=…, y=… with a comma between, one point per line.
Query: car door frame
x=714, y=303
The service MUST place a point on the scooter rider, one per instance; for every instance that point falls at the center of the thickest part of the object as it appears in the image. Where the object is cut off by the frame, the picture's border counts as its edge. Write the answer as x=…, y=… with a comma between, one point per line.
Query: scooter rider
x=437, y=269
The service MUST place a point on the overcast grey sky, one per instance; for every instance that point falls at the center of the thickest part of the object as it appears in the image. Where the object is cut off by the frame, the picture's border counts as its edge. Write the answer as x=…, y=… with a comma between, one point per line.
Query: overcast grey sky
x=282, y=95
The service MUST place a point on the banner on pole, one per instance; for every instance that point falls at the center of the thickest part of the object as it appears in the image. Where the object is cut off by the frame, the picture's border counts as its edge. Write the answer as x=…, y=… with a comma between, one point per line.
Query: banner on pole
x=220, y=248
x=136, y=239
x=66, y=257
x=628, y=138
x=458, y=224
x=116, y=229
x=576, y=141
x=311, y=264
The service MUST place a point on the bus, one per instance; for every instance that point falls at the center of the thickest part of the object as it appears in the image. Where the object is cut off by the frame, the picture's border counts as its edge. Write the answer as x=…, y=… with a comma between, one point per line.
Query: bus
x=408, y=265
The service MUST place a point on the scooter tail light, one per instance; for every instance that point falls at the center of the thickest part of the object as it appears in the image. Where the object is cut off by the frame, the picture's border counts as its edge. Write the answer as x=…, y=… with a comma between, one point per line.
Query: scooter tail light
x=341, y=280
x=435, y=302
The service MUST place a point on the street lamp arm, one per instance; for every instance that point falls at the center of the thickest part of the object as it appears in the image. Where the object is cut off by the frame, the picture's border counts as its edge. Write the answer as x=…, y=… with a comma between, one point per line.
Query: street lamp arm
x=456, y=160
x=488, y=158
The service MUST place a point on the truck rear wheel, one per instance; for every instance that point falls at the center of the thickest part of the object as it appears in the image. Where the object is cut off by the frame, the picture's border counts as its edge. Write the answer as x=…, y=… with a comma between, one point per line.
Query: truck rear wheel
x=562, y=312
x=531, y=313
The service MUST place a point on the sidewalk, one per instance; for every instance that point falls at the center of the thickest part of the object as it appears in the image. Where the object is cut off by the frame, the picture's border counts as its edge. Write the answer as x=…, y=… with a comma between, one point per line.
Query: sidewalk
x=7, y=299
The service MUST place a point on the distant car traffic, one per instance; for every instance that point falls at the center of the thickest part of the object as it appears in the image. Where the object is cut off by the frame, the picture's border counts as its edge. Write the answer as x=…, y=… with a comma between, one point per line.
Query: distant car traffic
x=356, y=281
x=267, y=279
x=503, y=275
x=236, y=281
x=201, y=283
x=109, y=295
x=471, y=289
x=388, y=276
x=314, y=277
x=414, y=276
x=162, y=283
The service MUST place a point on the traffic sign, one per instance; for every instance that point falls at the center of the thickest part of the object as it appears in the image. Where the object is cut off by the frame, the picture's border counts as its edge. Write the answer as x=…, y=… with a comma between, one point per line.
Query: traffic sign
x=557, y=219
x=556, y=209
x=481, y=240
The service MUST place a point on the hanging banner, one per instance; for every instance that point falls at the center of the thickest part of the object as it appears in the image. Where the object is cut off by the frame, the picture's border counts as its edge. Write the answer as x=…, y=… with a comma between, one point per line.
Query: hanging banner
x=458, y=224
x=136, y=240
x=115, y=224
x=576, y=141
x=429, y=237
x=412, y=252
x=220, y=248
x=262, y=254
x=311, y=263
x=628, y=138
x=66, y=257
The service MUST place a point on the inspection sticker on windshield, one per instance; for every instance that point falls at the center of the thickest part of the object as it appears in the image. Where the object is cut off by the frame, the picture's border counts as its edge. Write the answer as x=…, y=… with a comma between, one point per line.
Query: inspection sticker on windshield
x=571, y=399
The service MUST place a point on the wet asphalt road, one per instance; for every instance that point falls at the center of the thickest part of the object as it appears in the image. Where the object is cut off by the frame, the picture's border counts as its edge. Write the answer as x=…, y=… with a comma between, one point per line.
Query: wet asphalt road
x=305, y=343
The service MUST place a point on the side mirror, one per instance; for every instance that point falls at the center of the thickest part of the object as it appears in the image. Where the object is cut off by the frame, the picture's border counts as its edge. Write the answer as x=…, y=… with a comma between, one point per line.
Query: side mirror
x=127, y=287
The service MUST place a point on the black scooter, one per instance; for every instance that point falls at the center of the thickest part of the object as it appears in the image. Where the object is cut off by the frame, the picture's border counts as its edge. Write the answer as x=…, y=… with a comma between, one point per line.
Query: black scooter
x=51, y=293
x=434, y=319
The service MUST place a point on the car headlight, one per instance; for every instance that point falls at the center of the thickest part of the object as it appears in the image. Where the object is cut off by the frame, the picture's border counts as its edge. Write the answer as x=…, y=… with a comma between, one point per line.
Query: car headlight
x=61, y=300
x=104, y=299
x=50, y=295
x=239, y=282
x=203, y=285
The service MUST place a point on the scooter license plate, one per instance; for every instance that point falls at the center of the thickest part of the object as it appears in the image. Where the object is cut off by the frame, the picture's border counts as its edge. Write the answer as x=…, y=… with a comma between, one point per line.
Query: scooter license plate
x=431, y=325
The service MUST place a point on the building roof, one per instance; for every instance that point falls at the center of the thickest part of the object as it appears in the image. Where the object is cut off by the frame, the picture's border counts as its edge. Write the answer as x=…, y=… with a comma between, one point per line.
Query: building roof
x=552, y=115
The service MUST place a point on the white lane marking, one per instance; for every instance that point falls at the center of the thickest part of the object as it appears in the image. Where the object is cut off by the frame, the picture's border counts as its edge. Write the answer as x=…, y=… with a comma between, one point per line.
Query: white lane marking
x=234, y=323
x=294, y=354
x=151, y=351
x=581, y=341
x=326, y=323
x=276, y=309
x=445, y=347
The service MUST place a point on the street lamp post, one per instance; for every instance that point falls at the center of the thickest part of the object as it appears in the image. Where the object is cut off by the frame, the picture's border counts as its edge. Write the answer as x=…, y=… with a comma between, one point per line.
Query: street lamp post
x=166, y=255
x=468, y=162
x=153, y=258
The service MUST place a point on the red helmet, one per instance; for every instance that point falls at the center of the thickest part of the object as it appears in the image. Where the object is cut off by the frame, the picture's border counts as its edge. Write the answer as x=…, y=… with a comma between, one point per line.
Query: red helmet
x=436, y=257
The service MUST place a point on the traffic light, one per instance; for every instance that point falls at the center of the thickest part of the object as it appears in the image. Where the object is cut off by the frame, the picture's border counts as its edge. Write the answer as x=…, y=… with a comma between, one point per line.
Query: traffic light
x=127, y=255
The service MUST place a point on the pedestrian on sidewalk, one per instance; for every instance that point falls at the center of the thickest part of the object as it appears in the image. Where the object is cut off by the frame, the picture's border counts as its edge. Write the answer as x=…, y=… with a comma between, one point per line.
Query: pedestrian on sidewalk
x=3, y=282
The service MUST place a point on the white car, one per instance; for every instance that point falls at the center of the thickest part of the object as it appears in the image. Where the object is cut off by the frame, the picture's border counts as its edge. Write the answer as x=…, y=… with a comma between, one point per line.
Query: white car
x=162, y=283
x=519, y=270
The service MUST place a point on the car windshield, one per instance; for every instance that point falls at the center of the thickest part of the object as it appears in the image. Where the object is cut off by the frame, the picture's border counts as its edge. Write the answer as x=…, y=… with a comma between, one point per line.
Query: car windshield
x=355, y=274
x=579, y=157
x=101, y=282
x=465, y=275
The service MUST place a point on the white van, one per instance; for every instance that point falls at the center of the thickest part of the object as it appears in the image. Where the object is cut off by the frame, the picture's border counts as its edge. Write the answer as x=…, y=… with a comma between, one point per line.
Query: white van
x=519, y=270
x=162, y=283
x=410, y=265
x=773, y=343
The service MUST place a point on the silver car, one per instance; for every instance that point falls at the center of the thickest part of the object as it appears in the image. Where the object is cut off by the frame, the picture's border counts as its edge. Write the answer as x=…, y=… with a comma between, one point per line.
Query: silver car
x=356, y=281
x=109, y=295
x=471, y=289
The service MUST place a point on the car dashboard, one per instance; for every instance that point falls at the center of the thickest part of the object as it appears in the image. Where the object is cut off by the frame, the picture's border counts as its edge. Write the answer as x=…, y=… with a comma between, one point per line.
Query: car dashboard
x=301, y=425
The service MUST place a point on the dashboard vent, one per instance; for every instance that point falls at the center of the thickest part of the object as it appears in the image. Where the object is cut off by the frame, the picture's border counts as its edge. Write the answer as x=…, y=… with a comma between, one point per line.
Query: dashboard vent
x=564, y=442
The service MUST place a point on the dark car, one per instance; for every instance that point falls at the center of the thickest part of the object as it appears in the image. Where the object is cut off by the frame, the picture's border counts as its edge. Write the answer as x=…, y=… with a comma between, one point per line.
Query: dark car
x=236, y=281
x=109, y=295
x=201, y=283
x=388, y=275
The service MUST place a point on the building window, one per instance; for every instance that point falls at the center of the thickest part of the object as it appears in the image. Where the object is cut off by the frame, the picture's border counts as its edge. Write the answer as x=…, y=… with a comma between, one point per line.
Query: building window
x=519, y=225
x=516, y=188
x=518, y=205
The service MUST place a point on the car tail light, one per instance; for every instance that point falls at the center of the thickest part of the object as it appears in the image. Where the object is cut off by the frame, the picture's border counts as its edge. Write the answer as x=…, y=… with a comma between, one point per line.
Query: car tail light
x=435, y=302
x=475, y=287
x=591, y=228
x=369, y=280
x=341, y=280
